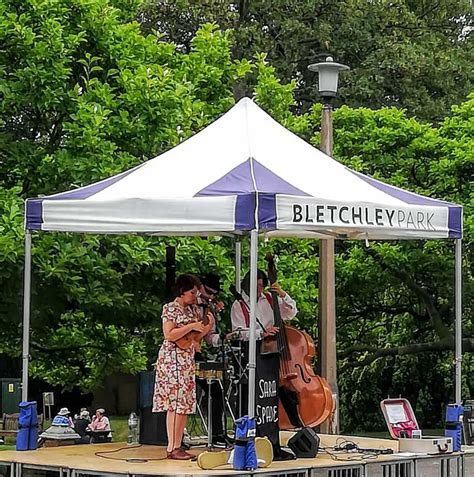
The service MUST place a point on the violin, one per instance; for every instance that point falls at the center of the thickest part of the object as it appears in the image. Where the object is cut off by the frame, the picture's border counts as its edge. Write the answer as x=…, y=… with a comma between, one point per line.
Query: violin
x=305, y=398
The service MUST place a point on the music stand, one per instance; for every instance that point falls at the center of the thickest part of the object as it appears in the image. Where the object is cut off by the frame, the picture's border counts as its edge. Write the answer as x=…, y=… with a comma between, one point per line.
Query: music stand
x=222, y=384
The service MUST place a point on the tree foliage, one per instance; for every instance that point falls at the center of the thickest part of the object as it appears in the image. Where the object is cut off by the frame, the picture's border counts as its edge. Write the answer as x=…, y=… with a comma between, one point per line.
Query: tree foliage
x=84, y=94
x=415, y=55
x=396, y=301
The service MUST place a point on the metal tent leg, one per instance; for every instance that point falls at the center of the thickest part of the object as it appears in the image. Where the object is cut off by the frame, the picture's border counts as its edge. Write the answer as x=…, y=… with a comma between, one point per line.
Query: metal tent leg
x=253, y=310
x=26, y=317
x=458, y=320
x=238, y=263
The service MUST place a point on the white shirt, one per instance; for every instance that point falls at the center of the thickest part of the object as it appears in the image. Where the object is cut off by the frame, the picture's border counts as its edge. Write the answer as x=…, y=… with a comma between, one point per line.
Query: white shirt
x=264, y=314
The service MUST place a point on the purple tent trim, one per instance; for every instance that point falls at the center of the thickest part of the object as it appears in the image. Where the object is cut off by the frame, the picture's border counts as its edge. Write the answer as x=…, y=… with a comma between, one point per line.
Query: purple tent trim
x=34, y=214
x=454, y=211
x=239, y=181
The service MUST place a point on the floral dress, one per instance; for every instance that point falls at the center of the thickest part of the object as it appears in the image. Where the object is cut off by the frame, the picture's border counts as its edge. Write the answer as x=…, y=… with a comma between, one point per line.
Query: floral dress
x=175, y=388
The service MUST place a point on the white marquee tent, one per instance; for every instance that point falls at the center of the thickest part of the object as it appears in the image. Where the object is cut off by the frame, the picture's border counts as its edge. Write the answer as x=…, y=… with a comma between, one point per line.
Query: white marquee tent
x=245, y=174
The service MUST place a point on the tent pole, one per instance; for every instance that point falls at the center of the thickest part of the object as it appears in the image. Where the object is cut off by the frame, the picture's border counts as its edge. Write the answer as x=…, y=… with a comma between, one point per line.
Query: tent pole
x=253, y=310
x=238, y=263
x=458, y=320
x=26, y=317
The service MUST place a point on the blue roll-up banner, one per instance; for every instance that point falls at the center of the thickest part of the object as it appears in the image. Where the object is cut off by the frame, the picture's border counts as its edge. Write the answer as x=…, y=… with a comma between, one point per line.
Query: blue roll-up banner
x=27, y=437
x=245, y=457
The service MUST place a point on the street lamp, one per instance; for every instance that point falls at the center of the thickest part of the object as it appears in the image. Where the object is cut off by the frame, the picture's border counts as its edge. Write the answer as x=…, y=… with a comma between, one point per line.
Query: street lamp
x=328, y=76
x=328, y=73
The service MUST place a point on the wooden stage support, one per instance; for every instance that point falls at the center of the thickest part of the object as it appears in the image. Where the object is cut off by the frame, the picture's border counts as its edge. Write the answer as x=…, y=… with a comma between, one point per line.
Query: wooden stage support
x=118, y=459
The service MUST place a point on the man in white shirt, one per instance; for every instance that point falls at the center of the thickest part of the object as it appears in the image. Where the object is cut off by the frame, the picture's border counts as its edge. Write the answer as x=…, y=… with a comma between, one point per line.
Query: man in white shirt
x=265, y=325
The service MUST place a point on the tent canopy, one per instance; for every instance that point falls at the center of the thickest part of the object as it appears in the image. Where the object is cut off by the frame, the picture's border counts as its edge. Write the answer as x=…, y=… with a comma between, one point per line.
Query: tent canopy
x=243, y=172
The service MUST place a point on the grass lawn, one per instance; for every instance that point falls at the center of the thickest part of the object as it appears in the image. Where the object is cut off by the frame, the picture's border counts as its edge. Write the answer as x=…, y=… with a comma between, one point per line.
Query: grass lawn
x=7, y=447
x=119, y=425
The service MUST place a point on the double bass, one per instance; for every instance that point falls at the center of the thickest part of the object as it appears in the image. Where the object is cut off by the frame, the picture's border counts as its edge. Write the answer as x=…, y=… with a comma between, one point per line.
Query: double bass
x=305, y=398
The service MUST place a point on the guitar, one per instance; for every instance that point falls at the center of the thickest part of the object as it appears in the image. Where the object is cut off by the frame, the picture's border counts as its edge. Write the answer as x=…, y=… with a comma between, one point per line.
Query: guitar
x=193, y=337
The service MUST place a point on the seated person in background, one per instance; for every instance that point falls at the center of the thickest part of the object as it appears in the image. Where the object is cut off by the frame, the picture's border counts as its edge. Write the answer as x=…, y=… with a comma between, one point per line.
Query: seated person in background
x=63, y=418
x=61, y=429
x=78, y=415
x=80, y=426
x=100, y=423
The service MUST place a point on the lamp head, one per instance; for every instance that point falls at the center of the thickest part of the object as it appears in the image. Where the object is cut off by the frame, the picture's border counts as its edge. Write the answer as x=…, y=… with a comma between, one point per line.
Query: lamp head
x=328, y=72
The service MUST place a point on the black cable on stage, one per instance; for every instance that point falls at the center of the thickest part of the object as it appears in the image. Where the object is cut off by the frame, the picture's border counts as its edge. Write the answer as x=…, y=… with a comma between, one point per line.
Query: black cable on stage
x=346, y=450
x=131, y=460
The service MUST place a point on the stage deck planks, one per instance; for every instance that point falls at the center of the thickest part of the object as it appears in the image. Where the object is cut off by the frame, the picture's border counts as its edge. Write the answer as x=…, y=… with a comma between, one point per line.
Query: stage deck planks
x=84, y=459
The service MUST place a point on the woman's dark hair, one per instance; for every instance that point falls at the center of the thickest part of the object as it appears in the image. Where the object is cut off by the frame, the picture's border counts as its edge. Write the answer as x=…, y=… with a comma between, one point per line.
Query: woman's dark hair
x=261, y=275
x=185, y=283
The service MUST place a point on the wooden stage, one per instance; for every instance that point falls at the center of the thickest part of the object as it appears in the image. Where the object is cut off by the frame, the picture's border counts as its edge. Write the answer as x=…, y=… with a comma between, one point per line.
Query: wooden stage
x=118, y=459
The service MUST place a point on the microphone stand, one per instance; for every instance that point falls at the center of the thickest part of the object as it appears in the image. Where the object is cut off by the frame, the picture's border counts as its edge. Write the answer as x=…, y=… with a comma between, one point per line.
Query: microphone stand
x=224, y=382
x=222, y=350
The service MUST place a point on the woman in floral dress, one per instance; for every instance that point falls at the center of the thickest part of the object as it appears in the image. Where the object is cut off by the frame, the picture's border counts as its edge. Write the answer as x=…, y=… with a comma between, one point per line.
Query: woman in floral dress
x=175, y=391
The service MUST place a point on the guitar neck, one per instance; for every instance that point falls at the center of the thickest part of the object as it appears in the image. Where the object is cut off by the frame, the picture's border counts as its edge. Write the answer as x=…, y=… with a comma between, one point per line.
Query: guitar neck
x=277, y=319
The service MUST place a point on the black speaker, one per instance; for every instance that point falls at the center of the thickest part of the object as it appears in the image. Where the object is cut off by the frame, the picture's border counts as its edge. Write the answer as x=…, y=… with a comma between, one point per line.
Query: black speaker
x=153, y=427
x=152, y=424
x=305, y=443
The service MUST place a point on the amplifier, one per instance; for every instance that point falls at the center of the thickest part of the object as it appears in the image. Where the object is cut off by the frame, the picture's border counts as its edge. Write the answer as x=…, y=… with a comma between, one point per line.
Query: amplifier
x=153, y=427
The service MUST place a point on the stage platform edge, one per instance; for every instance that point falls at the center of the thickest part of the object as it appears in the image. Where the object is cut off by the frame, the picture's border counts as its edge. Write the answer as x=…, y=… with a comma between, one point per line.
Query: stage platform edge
x=116, y=460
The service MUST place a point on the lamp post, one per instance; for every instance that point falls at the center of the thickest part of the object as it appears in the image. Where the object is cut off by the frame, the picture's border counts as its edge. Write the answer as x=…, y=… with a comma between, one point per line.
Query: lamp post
x=328, y=73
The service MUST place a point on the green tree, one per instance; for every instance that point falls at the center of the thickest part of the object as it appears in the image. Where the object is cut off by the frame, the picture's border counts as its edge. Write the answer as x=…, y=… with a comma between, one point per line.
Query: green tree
x=415, y=55
x=84, y=95
x=396, y=301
